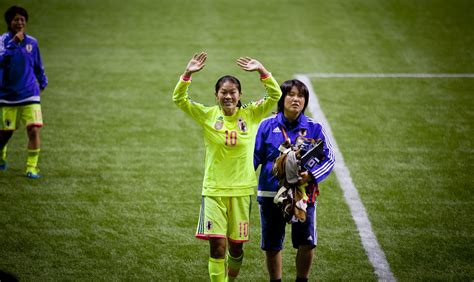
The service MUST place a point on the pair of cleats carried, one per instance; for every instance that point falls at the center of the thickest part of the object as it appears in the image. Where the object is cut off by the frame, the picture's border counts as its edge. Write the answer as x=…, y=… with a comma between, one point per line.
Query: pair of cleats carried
x=31, y=172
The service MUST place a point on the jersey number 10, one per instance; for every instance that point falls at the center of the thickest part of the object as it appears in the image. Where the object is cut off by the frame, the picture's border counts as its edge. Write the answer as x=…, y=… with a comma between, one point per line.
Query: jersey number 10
x=230, y=138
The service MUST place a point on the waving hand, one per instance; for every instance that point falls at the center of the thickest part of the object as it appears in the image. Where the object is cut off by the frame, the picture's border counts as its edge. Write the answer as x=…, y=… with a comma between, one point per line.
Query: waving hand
x=249, y=64
x=196, y=64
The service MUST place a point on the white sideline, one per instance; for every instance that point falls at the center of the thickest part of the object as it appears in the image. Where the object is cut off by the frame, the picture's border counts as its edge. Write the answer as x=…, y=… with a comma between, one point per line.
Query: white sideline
x=369, y=241
x=388, y=75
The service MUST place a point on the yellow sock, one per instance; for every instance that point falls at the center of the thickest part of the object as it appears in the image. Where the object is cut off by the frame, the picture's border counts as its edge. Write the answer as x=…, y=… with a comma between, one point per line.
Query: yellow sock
x=217, y=270
x=3, y=155
x=32, y=161
x=233, y=265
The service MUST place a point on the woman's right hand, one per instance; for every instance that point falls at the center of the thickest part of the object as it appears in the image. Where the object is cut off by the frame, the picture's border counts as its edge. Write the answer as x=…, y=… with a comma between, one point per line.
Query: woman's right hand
x=19, y=36
x=195, y=64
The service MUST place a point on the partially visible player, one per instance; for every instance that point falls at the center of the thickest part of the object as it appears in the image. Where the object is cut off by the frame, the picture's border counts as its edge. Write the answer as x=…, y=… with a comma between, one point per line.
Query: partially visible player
x=229, y=178
x=289, y=123
x=22, y=79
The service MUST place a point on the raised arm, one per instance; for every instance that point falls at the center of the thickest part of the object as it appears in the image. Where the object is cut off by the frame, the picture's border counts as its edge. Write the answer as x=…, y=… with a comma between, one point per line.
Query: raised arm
x=273, y=92
x=181, y=98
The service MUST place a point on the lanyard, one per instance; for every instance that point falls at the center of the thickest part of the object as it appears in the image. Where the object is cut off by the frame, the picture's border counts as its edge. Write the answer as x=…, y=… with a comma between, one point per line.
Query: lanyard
x=282, y=148
x=285, y=135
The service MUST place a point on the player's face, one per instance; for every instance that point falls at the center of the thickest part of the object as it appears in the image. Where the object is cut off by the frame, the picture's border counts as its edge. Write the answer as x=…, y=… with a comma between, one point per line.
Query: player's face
x=228, y=97
x=18, y=24
x=294, y=102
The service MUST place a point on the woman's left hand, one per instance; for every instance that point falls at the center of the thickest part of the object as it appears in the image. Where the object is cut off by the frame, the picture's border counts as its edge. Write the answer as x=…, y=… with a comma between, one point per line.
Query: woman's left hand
x=249, y=64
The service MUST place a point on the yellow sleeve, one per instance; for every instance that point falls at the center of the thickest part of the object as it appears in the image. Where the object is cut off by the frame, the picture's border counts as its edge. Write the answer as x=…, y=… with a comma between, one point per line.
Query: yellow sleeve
x=181, y=98
x=263, y=107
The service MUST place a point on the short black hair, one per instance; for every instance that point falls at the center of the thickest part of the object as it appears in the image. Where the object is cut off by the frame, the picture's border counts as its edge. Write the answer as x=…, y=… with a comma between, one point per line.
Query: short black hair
x=286, y=88
x=11, y=13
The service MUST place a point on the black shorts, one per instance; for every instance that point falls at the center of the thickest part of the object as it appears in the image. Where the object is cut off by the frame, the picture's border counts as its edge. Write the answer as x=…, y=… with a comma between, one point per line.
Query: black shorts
x=273, y=228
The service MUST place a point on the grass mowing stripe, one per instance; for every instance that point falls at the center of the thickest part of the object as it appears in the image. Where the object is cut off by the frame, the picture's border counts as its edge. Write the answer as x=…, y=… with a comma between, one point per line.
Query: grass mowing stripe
x=369, y=241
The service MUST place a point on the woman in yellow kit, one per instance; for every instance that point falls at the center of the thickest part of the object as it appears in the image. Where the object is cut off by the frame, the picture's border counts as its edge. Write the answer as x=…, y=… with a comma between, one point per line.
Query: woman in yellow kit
x=229, y=177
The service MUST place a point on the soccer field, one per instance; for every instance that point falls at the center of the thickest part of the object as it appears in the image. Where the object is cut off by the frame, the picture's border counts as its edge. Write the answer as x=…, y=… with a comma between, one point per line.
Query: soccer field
x=122, y=166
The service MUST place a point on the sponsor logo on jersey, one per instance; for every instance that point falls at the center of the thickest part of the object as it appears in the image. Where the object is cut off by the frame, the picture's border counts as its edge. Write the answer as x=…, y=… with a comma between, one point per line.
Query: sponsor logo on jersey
x=276, y=130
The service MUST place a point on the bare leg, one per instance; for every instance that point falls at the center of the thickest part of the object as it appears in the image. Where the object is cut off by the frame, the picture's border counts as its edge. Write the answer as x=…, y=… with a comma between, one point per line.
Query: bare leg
x=304, y=259
x=218, y=246
x=274, y=264
x=33, y=137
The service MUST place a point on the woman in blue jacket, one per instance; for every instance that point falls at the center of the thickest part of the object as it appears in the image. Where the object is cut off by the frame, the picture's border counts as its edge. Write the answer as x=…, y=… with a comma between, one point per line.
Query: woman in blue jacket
x=22, y=79
x=290, y=122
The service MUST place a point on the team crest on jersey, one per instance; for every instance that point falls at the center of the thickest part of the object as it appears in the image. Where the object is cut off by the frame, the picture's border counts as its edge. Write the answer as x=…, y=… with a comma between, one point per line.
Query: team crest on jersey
x=242, y=125
x=29, y=48
x=209, y=225
x=219, y=123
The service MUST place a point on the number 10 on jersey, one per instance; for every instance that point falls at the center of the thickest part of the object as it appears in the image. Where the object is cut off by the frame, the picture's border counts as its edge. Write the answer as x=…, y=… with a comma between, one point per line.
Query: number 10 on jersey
x=230, y=138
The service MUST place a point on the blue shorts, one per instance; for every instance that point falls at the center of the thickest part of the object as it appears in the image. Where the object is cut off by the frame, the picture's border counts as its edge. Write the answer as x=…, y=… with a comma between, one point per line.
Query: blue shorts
x=273, y=228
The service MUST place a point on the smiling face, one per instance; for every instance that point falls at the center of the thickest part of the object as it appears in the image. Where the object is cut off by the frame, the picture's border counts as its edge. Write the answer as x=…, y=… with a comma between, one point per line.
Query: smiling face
x=294, y=103
x=18, y=24
x=228, y=97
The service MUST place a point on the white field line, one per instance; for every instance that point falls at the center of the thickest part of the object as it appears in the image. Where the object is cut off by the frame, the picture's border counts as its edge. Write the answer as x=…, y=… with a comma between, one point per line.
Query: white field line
x=369, y=241
x=388, y=75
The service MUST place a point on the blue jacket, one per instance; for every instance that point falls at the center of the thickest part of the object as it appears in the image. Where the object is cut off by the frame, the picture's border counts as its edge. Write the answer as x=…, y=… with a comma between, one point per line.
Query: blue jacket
x=269, y=138
x=21, y=71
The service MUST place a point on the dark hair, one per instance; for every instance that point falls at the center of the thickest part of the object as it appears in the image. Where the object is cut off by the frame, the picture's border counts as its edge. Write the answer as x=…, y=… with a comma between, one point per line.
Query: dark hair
x=233, y=80
x=286, y=88
x=11, y=13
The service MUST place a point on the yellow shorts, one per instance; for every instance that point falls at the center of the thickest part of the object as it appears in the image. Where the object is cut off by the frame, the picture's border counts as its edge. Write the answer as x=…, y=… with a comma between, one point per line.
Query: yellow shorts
x=29, y=115
x=224, y=217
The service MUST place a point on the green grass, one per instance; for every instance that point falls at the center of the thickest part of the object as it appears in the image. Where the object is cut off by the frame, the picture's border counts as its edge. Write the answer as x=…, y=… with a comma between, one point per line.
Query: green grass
x=409, y=150
x=123, y=167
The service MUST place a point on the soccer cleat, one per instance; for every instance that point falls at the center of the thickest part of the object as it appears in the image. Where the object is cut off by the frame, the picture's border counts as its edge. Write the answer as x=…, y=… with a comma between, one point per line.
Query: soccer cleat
x=301, y=204
x=281, y=195
x=33, y=173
